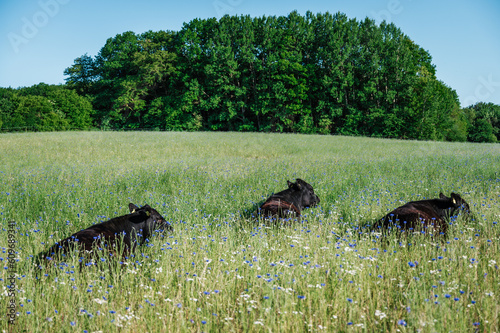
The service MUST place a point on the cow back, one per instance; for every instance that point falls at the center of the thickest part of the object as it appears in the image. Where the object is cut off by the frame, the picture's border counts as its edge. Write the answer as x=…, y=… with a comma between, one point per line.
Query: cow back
x=122, y=233
x=423, y=215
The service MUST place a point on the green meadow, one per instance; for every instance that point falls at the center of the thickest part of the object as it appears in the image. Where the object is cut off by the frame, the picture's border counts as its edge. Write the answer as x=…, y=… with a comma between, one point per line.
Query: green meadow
x=221, y=271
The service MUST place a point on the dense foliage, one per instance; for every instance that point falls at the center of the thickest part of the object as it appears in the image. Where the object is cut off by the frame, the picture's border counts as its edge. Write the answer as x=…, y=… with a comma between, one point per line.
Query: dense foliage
x=483, y=122
x=44, y=108
x=318, y=73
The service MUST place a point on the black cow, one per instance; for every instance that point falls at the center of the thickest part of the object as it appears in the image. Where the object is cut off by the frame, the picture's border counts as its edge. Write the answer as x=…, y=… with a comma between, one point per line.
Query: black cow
x=126, y=230
x=424, y=214
x=290, y=202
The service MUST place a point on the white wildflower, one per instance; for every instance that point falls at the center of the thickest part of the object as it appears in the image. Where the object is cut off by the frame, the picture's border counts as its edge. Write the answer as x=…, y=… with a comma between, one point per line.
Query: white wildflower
x=380, y=314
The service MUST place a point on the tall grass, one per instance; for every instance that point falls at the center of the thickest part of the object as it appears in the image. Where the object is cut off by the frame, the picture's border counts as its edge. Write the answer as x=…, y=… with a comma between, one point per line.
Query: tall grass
x=220, y=271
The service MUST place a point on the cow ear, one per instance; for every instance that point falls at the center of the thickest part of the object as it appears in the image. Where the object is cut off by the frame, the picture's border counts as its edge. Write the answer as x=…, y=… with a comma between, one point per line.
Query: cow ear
x=301, y=183
x=132, y=207
x=442, y=196
x=289, y=183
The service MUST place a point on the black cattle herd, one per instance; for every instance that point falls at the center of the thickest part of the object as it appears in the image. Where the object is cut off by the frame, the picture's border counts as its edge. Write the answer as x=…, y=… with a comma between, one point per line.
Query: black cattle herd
x=122, y=234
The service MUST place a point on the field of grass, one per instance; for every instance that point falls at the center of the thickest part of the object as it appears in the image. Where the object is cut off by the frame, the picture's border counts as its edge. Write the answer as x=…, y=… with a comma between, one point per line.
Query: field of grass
x=219, y=271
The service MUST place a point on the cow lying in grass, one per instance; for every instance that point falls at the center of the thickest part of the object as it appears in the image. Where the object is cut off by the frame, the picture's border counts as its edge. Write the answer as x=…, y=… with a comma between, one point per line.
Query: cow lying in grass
x=290, y=202
x=424, y=215
x=120, y=234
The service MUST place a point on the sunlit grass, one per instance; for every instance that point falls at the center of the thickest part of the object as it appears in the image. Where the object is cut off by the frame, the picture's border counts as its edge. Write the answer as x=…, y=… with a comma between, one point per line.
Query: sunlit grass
x=220, y=271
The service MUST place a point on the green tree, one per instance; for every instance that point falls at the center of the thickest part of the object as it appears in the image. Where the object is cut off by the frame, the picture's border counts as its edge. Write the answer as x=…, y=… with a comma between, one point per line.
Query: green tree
x=82, y=75
x=318, y=73
x=44, y=107
x=483, y=122
x=330, y=69
x=77, y=109
x=482, y=131
x=37, y=113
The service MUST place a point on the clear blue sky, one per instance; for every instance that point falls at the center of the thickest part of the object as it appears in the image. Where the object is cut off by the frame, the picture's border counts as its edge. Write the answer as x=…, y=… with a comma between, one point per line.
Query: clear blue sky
x=39, y=39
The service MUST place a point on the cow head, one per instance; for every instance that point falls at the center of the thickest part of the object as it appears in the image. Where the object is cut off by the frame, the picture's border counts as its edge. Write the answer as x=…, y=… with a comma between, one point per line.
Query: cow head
x=148, y=219
x=307, y=196
x=457, y=204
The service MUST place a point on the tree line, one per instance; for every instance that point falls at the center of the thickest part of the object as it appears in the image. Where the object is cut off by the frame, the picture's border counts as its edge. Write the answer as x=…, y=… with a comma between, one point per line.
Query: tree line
x=44, y=107
x=319, y=73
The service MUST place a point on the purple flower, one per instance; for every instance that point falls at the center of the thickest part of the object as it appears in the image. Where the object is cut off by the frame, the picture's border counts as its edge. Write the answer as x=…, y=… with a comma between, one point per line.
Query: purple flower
x=402, y=322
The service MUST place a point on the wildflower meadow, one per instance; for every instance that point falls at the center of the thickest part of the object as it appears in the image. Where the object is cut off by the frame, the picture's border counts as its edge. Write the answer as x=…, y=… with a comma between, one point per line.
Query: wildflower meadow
x=220, y=270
